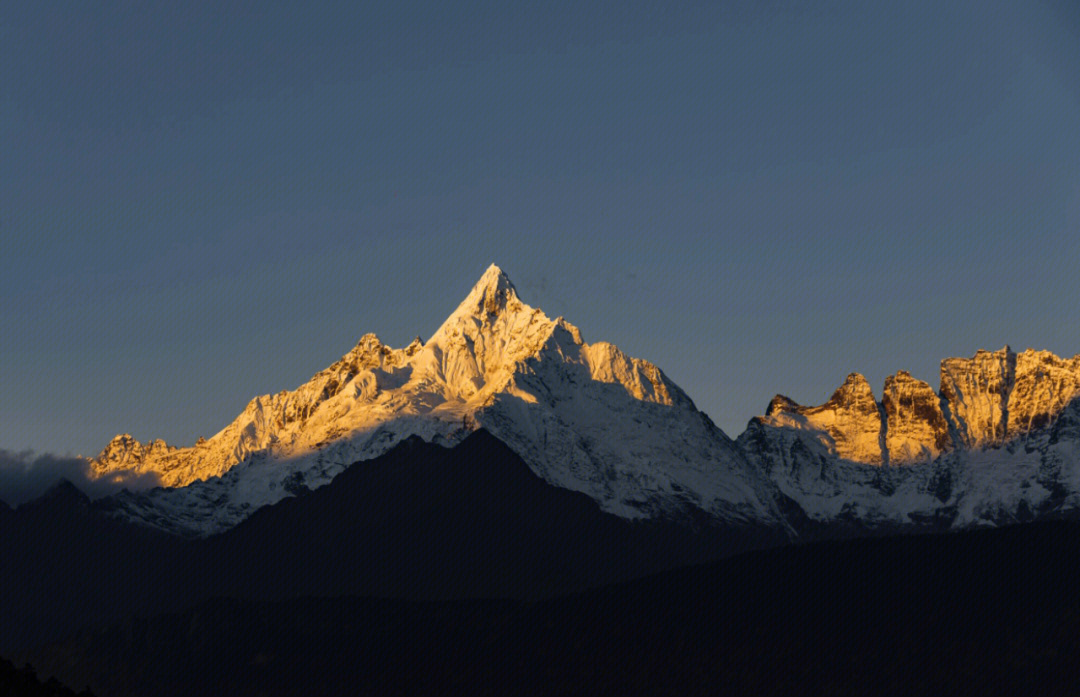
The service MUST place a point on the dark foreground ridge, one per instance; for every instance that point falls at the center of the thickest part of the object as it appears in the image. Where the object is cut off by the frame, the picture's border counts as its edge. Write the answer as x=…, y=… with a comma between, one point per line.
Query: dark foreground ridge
x=421, y=522
x=991, y=612
x=24, y=682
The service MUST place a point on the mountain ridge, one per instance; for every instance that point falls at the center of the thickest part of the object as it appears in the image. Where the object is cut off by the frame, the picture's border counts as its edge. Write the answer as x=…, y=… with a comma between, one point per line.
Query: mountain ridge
x=586, y=417
x=983, y=448
x=982, y=401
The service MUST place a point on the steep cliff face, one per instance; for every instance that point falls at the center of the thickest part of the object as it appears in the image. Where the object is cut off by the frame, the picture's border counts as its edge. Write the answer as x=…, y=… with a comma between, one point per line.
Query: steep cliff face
x=1042, y=387
x=989, y=400
x=849, y=425
x=1000, y=443
x=1000, y=396
x=915, y=425
x=977, y=392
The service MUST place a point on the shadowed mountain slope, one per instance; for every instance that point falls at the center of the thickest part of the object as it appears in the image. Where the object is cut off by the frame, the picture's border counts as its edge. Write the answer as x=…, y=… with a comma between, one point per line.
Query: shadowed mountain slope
x=420, y=521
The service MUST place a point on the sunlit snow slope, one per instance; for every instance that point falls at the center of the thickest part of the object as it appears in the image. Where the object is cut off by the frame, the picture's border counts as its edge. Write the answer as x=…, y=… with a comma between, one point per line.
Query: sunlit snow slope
x=998, y=442
x=585, y=417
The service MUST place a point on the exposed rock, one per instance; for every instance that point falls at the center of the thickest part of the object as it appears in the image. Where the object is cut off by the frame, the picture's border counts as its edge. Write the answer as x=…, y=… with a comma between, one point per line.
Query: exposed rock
x=1043, y=386
x=977, y=391
x=916, y=430
x=1000, y=444
x=849, y=423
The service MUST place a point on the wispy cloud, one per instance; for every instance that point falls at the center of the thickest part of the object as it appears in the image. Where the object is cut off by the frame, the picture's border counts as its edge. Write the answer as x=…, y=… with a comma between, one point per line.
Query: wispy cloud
x=25, y=476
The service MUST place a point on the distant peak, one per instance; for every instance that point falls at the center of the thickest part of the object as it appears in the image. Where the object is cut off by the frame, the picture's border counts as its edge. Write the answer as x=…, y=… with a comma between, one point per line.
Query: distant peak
x=855, y=379
x=493, y=280
x=855, y=382
x=62, y=485
x=63, y=490
x=855, y=389
x=369, y=341
x=900, y=377
x=491, y=294
x=781, y=403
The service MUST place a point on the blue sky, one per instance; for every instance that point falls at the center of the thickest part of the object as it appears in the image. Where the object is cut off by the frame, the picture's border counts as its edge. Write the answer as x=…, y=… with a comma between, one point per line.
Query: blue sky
x=198, y=205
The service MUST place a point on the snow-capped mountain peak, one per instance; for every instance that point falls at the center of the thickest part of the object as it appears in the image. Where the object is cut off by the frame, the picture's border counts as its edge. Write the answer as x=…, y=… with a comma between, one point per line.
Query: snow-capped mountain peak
x=999, y=441
x=586, y=417
x=493, y=293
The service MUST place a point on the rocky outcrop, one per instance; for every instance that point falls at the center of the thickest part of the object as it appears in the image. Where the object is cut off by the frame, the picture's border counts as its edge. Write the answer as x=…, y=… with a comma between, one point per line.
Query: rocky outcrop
x=986, y=401
x=915, y=425
x=124, y=452
x=1000, y=443
x=848, y=424
x=996, y=397
x=1043, y=387
x=977, y=391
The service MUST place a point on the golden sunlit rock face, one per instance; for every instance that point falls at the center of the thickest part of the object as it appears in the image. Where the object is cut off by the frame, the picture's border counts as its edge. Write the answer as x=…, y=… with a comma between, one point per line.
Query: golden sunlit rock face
x=977, y=391
x=1042, y=386
x=849, y=423
x=985, y=401
x=915, y=425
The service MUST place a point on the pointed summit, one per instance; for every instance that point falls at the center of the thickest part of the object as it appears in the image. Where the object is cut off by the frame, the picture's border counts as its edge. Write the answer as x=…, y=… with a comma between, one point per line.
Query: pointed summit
x=489, y=300
x=62, y=493
x=850, y=420
x=585, y=417
x=855, y=392
x=493, y=292
x=494, y=276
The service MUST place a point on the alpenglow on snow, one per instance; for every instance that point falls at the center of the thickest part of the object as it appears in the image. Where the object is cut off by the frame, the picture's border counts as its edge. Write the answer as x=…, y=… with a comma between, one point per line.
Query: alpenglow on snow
x=998, y=442
x=585, y=417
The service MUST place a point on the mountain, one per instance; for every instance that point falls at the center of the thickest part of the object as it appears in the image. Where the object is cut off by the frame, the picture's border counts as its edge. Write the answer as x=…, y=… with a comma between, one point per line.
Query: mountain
x=585, y=417
x=999, y=442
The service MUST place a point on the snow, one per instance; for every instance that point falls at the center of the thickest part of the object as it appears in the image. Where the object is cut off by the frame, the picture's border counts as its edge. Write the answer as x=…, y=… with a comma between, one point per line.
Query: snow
x=988, y=467
x=584, y=417
x=999, y=442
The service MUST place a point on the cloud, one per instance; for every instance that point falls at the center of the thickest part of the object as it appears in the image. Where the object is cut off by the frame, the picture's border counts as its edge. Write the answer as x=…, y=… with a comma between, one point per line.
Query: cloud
x=25, y=476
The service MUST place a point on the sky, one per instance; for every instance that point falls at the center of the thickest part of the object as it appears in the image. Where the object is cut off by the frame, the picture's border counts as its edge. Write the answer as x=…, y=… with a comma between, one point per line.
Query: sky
x=200, y=204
